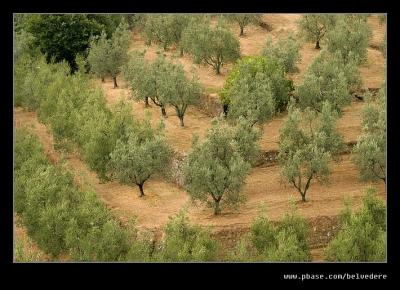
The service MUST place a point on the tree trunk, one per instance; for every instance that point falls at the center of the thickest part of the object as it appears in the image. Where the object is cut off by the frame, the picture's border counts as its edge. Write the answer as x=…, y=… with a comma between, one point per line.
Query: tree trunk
x=146, y=102
x=102, y=79
x=181, y=119
x=115, y=82
x=317, y=45
x=163, y=112
x=181, y=51
x=241, y=31
x=303, y=197
x=225, y=108
x=217, y=209
x=141, y=190
x=218, y=68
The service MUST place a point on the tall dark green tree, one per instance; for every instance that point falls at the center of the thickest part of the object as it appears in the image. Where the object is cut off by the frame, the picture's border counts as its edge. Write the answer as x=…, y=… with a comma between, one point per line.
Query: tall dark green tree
x=62, y=36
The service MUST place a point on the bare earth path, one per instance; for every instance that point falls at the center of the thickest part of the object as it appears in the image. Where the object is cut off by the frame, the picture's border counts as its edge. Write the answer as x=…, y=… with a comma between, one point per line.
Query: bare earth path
x=164, y=199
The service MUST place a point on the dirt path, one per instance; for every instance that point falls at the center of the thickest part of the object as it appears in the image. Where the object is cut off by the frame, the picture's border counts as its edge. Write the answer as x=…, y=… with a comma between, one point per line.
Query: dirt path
x=163, y=199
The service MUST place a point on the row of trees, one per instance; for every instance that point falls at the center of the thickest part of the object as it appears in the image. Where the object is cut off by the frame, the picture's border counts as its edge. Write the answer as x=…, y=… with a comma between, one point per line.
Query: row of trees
x=64, y=219
x=110, y=141
x=64, y=36
x=163, y=82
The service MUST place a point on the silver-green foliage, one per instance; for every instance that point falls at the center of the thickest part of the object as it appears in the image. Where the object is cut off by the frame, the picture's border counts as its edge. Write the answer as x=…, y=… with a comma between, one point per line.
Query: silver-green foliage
x=57, y=215
x=185, y=242
x=143, y=153
x=314, y=27
x=147, y=79
x=369, y=154
x=362, y=237
x=211, y=46
x=177, y=90
x=106, y=56
x=165, y=29
x=285, y=241
x=215, y=170
x=308, y=142
x=243, y=20
x=286, y=50
x=351, y=34
x=328, y=78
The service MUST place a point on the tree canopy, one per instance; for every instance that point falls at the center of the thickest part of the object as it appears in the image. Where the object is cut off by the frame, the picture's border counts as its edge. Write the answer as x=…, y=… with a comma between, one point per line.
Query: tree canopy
x=314, y=27
x=215, y=170
x=143, y=153
x=243, y=20
x=362, y=237
x=256, y=88
x=107, y=56
x=286, y=50
x=369, y=154
x=308, y=142
x=211, y=46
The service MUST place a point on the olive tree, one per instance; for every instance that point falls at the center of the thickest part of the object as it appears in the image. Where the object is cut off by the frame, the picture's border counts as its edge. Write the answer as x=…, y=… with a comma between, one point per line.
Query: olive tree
x=97, y=56
x=256, y=88
x=327, y=79
x=165, y=29
x=351, y=34
x=369, y=154
x=286, y=241
x=106, y=56
x=215, y=171
x=315, y=26
x=252, y=98
x=211, y=46
x=308, y=142
x=185, y=242
x=243, y=20
x=144, y=153
x=146, y=80
x=362, y=236
x=285, y=49
x=178, y=91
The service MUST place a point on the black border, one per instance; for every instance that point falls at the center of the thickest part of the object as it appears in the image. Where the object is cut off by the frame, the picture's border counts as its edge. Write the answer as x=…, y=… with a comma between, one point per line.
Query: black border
x=223, y=273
